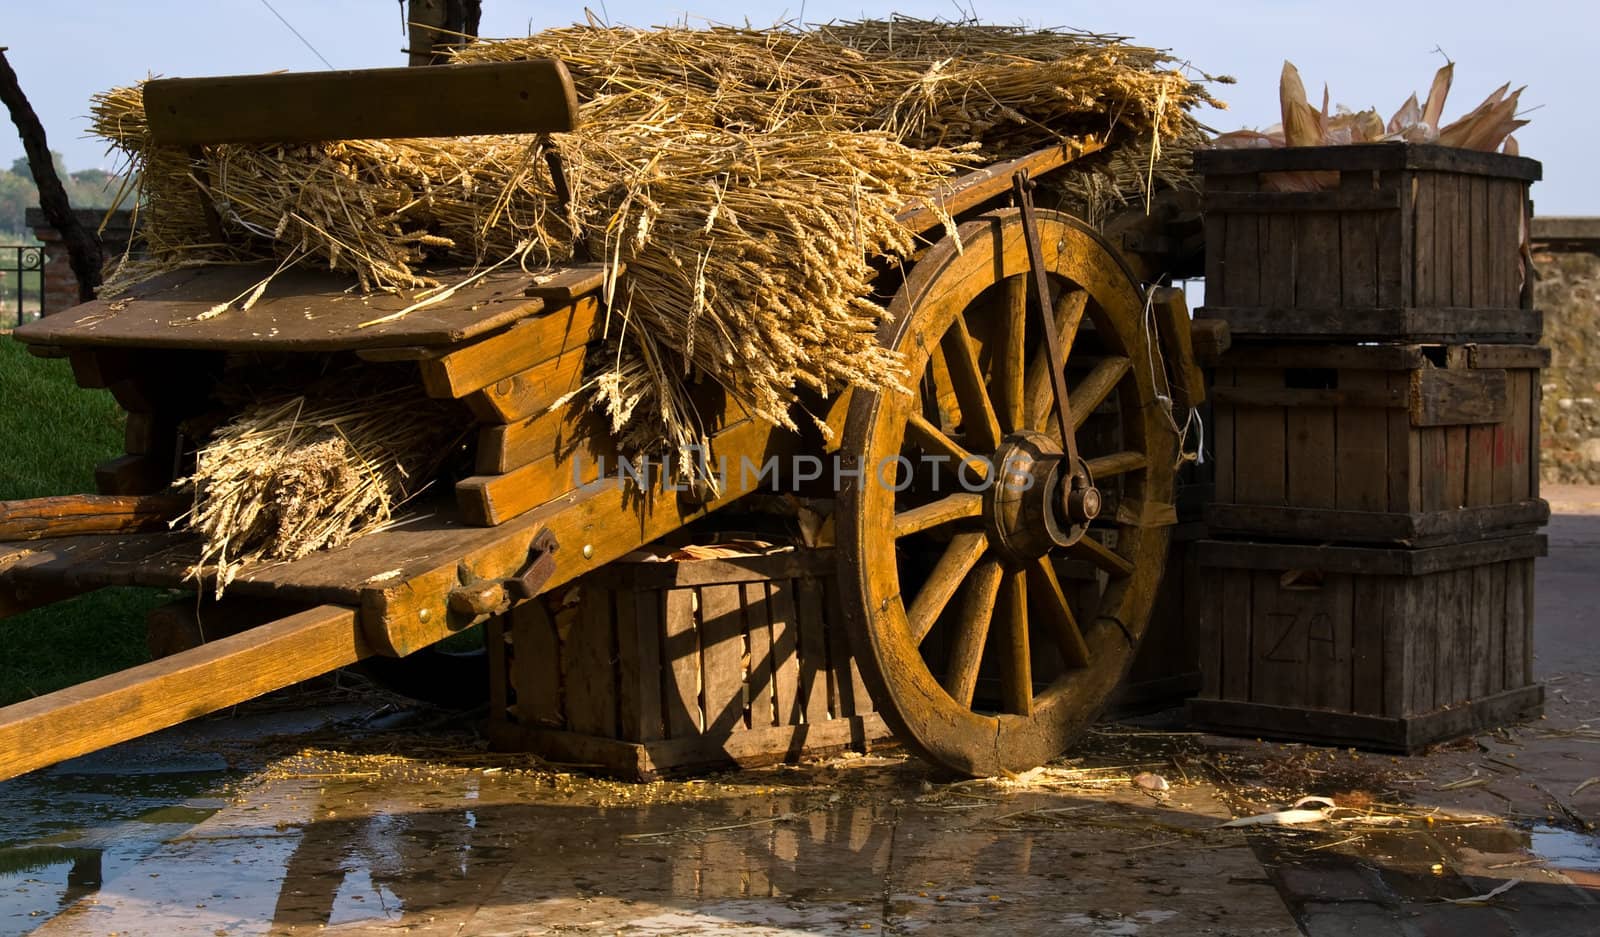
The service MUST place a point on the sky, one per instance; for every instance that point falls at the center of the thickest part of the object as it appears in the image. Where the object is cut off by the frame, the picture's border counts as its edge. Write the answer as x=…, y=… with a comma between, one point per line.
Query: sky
x=1369, y=53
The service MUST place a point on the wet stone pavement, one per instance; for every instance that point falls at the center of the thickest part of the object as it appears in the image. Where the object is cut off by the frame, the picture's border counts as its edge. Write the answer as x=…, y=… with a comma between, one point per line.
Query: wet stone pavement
x=326, y=810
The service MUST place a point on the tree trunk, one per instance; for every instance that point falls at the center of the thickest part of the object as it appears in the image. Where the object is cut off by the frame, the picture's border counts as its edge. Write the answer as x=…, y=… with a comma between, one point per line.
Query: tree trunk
x=83, y=245
x=439, y=23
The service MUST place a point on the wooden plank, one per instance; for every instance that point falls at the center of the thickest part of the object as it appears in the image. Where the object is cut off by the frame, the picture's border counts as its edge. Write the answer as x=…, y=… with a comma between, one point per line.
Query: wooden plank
x=638, y=690
x=1496, y=620
x=1508, y=356
x=71, y=515
x=1358, y=240
x=1277, y=671
x=1394, y=236
x=1276, y=269
x=1387, y=323
x=1480, y=622
x=645, y=642
x=562, y=332
x=536, y=666
x=1418, y=530
x=1367, y=661
x=1424, y=258
x=1422, y=657
x=1522, y=425
x=1480, y=466
x=1330, y=643
x=503, y=447
x=529, y=392
x=813, y=650
x=1455, y=460
x=851, y=691
x=1317, y=254
x=974, y=188
x=1431, y=449
x=1535, y=407
x=1311, y=457
x=1457, y=397
x=1368, y=157
x=93, y=715
x=1237, y=639
x=1360, y=464
x=1172, y=325
x=1241, y=254
x=1461, y=242
x=489, y=500
x=590, y=667
x=1225, y=432
x=1216, y=234
x=722, y=657
x=572, y=282
x=528, y=96
x=1259, y=474
x=1405, y=455
x=1445, y=246
x=1506, y=228
x=301, y=310
x=1354, y=200
x=681, y=649
x=785, y=652
x=1208, y=626
x=1475, y=200
x=758, y=625
x=1387, y=357
x=1371, y=561
x=1449, y=624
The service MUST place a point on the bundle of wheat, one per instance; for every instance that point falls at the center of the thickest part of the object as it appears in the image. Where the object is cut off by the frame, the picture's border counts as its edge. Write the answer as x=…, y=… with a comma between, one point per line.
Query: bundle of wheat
x=292, y=474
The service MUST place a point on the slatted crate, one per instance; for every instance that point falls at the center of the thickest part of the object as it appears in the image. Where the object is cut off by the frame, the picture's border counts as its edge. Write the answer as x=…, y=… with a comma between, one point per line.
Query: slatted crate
x=650, y=668
x=1410, y=243
x=1404, y=444
x=1391, y=649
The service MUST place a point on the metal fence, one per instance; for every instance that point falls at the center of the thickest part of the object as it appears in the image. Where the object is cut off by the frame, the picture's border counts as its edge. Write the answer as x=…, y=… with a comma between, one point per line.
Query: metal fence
x=21, y=284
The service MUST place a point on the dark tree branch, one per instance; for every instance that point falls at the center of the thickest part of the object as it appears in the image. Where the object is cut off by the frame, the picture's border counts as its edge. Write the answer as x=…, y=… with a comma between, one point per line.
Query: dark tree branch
x=83, y=245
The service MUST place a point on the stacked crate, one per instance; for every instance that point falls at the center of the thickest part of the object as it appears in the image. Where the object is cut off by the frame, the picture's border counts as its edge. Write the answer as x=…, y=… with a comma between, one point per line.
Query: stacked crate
x=642, y=669
x=1376, y=434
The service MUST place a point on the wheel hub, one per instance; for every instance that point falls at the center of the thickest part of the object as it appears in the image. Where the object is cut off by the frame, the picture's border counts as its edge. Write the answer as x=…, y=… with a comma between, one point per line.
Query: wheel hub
x=1035, y=503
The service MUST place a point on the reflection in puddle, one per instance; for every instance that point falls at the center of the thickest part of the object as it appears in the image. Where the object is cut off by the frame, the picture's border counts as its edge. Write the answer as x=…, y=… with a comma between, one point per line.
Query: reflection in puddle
x=1566, y=849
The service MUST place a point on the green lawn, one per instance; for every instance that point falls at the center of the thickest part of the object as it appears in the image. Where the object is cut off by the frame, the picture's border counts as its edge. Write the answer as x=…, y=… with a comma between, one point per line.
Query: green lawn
x=52, y=434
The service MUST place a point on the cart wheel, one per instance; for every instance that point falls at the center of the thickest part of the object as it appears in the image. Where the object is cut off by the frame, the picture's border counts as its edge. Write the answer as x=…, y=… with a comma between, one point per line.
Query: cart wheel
x=1005, y=614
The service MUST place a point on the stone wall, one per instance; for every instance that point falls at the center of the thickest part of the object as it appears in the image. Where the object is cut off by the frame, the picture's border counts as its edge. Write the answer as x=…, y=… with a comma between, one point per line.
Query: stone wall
x=60, y=285
x=1567, y=258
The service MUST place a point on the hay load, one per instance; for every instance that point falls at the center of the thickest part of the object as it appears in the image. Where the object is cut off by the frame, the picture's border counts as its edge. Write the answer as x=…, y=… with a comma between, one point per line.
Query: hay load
x=748, y=179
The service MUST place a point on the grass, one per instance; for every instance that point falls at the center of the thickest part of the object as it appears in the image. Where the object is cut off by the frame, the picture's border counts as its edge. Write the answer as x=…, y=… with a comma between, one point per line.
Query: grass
x=52, y=434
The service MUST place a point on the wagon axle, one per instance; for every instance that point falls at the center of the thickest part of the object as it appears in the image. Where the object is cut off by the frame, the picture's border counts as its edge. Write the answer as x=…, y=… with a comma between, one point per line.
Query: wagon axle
x=1036, y=504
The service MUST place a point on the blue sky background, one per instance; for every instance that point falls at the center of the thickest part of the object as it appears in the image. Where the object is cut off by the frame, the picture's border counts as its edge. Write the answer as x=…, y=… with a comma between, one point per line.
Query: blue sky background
x=1370, y=53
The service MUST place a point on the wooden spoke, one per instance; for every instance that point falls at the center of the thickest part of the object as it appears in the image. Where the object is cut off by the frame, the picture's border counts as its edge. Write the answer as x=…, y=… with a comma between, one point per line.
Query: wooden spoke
x=927, y=516
x=1016, y=668
x=977, y=413
x=1096, y=386
x=1117, y=463
x=1051, y=603
x=977, y=608
x=930, y=437
x=1013, y=356
x=1093, y=551
x=1041, y=397
x=959, y=557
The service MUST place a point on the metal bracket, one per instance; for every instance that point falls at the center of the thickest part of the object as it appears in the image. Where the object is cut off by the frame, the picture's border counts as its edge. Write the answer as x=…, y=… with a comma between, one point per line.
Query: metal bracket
x=478, y=599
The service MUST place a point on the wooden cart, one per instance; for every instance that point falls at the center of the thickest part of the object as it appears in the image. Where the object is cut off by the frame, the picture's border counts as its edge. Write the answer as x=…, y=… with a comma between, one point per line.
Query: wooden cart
x=999, y=546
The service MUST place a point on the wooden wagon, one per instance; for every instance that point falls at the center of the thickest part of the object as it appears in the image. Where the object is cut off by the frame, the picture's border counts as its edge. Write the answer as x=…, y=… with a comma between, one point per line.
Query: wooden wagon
x=1002, y=529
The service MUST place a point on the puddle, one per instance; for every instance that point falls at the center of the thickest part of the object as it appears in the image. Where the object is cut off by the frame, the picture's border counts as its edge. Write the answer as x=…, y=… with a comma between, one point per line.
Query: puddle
x=1566, y=849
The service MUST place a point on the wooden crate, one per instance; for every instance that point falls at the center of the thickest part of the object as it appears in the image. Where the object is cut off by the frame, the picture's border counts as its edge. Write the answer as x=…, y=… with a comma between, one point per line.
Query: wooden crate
x=1166, y=671
x=1412, y=242
x=659, y=667
x=1407, y=444
x=1392, y=649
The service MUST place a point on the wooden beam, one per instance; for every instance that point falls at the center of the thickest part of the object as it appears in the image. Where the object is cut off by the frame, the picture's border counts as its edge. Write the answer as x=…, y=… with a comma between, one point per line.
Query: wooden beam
x=975, y=188
x=68, y=515
x=140, y=700
x=530, y=96
x=533, y=341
